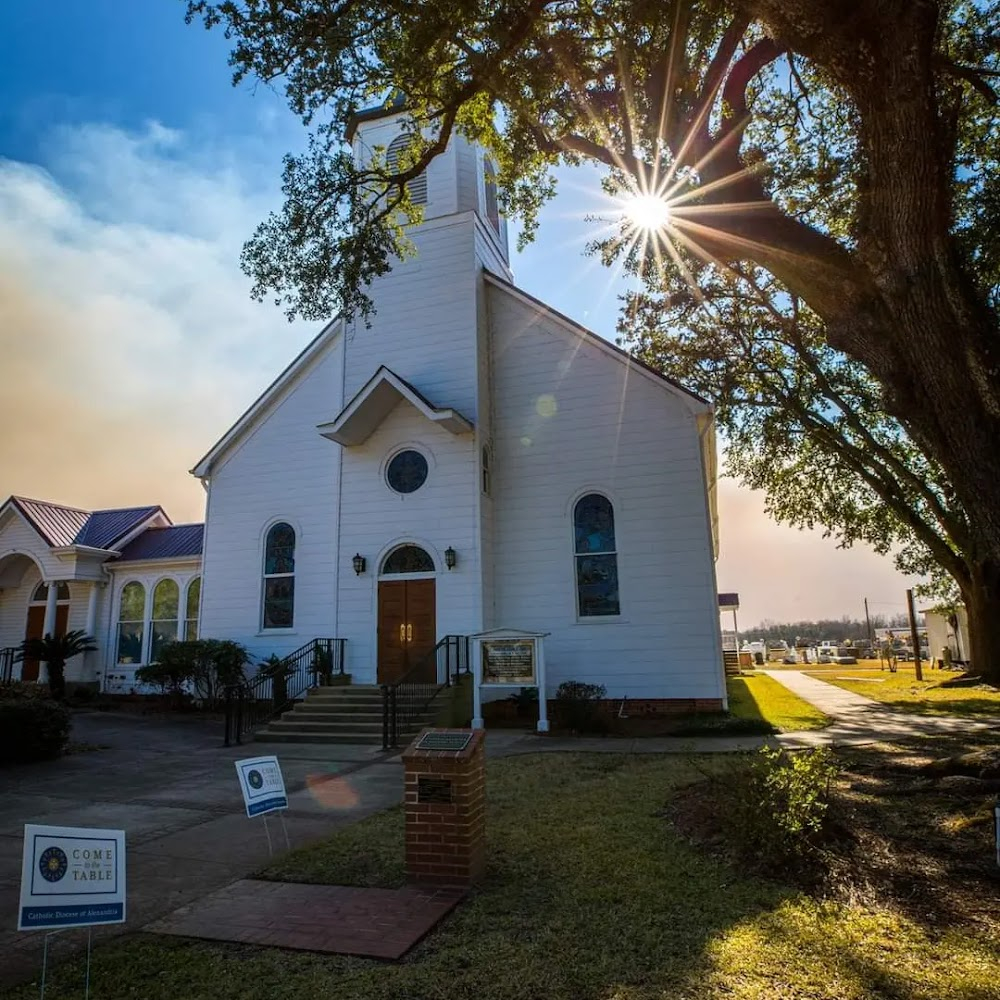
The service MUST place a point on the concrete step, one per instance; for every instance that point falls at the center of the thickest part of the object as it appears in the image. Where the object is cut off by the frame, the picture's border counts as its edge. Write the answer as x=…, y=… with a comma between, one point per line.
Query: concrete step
x=345, y=691
x=298, y=736
x=298, y=725
x=333, y=715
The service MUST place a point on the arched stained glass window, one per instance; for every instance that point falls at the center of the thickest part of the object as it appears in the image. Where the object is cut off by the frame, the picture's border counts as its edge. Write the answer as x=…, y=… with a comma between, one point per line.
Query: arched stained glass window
x=191, y=609
x=417, y=188
x=163, y=622
x=279, y=577
x=596, y=557
x=407, y=559
x=131, y=612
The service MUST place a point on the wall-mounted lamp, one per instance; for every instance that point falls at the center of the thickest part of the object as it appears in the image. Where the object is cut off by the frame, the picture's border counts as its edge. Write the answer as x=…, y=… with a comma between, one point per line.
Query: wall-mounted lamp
x=359, y=564
x=450, y=557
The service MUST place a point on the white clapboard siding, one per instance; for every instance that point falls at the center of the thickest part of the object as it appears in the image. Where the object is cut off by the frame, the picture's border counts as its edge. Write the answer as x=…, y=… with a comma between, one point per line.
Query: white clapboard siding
x=570, y=419
x=282, y=470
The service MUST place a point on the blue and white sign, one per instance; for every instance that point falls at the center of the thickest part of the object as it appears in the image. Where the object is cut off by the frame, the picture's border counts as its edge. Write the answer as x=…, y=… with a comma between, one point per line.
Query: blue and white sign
x=71, y=877
x=262, y=784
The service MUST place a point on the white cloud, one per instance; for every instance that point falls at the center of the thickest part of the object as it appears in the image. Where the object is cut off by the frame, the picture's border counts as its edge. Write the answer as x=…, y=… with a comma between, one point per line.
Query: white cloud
x=127, y=336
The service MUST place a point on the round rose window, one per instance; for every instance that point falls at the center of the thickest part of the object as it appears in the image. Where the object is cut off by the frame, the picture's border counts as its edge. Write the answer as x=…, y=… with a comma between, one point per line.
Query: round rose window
x=407, y=471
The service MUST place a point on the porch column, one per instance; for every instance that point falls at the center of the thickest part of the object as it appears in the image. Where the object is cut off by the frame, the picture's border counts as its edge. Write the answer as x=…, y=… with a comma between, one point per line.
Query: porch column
x=91, y=625
x=48, y=626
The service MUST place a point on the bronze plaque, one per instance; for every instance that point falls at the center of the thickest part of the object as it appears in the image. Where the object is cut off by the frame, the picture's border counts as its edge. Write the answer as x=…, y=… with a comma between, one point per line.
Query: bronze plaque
x=433, y=790
x=444, y=741
x=508, y=661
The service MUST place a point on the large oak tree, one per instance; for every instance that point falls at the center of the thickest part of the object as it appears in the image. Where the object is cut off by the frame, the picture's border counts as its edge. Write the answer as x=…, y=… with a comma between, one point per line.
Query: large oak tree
x=666, y=91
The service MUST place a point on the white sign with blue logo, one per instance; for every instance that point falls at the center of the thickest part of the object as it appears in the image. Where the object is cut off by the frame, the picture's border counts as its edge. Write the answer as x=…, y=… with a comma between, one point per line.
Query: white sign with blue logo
x=262, y=784
x=71, y=877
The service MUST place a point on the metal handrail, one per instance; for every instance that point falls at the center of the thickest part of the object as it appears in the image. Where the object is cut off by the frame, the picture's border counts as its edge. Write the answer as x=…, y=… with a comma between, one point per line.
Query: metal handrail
x=404, y=699
x=258, y=699
x=7, y=655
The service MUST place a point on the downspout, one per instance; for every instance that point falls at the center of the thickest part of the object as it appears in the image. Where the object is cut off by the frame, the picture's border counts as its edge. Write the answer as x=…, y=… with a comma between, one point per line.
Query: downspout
x=709, y=425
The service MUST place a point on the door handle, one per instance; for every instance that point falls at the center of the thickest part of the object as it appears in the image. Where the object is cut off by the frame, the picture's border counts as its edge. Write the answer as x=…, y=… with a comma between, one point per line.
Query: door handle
x=402, y=633
x=409, y=633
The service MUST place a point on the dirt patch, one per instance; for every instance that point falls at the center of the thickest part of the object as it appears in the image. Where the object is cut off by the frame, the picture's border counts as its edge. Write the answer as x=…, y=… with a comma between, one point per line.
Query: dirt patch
x=893, y=837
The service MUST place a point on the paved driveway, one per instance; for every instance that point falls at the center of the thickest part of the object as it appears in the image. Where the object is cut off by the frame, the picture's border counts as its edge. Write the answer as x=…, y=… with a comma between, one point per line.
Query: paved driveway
x=171, y=786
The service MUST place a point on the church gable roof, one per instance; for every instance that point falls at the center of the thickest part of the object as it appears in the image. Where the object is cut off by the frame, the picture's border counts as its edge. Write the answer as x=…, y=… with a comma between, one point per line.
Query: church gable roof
x=263, y=403
x=605, y=346
x=375, y=401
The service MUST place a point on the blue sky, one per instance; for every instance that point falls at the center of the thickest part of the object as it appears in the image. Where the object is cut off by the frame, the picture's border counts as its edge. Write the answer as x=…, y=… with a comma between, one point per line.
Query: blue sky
x=131, y=171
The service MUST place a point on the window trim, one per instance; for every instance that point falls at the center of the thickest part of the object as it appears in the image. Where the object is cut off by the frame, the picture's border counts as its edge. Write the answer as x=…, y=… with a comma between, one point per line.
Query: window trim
x=152, y=622
x=119, y=621
x=264, y=628
x=581, y=619
x=187, y=600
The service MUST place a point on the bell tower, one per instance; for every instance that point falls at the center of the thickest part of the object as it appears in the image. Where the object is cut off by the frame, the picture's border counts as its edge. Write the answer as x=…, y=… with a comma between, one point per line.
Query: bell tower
x=460, y=180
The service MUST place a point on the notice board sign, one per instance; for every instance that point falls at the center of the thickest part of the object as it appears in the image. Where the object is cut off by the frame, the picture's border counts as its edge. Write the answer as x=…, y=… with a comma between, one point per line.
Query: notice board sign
x=508, y=661
x=71, y=877
x=262, y=785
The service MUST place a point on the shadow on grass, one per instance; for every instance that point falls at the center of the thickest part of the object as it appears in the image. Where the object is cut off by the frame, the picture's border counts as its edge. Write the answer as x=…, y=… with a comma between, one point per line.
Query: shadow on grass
x=589, y=895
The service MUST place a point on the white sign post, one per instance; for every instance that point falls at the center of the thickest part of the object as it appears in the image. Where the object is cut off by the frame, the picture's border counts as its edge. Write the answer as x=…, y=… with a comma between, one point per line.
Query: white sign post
x=508, y=658
x=263, y=790
x=71, y=877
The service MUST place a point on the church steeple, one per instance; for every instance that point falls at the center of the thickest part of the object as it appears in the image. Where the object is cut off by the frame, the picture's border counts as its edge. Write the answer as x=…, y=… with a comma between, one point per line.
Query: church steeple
x=461, y=179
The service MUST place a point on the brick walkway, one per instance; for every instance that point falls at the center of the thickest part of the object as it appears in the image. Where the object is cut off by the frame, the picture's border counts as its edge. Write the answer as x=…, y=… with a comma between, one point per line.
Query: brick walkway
x=374, y=923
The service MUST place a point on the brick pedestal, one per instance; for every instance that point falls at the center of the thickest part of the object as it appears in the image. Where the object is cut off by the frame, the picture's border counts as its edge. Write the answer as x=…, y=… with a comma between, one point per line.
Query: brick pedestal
x=446, y=811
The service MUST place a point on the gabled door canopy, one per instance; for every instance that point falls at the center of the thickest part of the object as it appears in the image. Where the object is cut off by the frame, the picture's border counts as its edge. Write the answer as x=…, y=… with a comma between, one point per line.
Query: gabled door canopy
x=376, y=400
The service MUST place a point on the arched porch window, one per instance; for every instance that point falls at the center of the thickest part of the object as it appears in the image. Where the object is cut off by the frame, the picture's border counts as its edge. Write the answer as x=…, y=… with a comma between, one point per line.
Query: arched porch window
x=163, y=625
x=131, y=611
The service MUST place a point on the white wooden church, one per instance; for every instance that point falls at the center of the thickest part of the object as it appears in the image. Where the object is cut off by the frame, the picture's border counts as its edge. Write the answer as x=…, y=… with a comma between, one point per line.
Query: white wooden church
x=473, y=461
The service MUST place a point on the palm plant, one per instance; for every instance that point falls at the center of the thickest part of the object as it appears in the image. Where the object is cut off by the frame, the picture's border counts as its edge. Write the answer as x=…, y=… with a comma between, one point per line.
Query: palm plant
x=55, y=650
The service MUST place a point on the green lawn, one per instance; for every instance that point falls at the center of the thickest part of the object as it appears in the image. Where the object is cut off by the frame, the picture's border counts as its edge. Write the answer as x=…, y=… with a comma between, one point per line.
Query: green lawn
x=904, y=692
x=760, y=697
x=589, y=895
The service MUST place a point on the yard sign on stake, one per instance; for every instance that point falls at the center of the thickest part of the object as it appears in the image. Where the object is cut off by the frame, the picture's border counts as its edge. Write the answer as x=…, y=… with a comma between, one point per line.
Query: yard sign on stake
x=70, y=877
x=263, y=791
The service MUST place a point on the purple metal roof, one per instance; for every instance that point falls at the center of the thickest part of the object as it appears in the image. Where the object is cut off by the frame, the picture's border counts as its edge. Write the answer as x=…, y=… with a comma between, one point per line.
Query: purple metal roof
x=57, y=524
x=60, y=525
x=105, y=527
x=175, y=542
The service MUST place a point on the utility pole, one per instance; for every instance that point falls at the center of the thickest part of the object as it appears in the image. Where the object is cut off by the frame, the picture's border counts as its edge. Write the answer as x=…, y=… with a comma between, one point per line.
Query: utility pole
x=914, y=637
x=868, y=622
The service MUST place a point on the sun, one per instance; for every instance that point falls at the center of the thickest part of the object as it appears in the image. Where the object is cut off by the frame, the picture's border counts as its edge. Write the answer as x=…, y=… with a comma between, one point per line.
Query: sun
x=648, y=212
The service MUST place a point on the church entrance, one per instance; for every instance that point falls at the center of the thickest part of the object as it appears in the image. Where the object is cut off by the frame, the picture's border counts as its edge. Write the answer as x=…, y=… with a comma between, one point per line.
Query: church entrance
x=36, y=622
x=407, y=623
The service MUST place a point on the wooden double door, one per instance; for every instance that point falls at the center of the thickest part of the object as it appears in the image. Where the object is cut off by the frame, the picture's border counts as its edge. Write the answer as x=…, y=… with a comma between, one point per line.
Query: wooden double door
x=407, y=630
x=36, y=622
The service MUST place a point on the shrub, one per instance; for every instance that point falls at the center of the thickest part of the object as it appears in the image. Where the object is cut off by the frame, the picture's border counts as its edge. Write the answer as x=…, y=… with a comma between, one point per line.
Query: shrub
x=779, y=804
x=171, y=674
x=578, y=706
x=208, y=665
x=33, y=726
x=525, y=701
x=278, y=671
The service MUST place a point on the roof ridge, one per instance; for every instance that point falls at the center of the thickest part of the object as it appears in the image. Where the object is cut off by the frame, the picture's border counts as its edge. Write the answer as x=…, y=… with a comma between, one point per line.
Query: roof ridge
x=51, y=503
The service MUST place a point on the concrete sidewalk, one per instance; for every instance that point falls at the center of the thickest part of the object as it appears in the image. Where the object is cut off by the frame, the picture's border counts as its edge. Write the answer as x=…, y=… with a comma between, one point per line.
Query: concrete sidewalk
x=172, y=787
x=858, y=719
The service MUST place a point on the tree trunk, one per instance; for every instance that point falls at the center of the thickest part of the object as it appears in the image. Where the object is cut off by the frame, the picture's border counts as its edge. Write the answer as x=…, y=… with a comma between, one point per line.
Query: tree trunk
x=982, y=605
